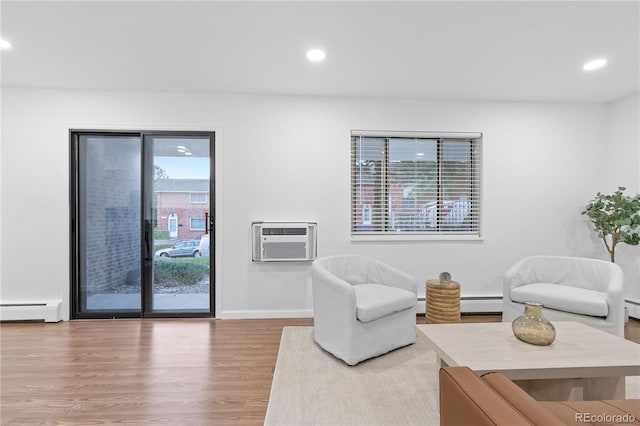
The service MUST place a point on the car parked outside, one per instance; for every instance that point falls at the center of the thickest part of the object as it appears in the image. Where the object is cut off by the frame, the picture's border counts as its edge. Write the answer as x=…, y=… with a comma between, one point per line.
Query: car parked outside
x=204, y=245
x=181, y=249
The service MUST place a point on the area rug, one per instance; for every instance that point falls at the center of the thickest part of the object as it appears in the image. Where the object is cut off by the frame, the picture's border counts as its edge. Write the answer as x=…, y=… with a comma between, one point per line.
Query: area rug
x=312, y=387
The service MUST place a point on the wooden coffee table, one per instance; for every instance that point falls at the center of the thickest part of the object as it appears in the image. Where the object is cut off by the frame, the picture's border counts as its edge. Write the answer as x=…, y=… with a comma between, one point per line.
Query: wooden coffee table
x=583, y=363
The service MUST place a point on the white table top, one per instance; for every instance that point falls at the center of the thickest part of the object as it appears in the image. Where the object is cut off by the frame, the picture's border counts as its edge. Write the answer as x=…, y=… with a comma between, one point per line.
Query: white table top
x=579, y=351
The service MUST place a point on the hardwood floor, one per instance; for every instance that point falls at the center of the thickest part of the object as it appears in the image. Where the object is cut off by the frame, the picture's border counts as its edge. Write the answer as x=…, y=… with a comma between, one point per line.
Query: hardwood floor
x=146, y=372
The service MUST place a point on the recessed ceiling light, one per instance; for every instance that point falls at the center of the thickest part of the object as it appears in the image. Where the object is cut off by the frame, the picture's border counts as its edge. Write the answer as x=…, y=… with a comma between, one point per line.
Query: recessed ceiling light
x=420, y=154
x=188, y=153
x=181, y=150
x=4, y=44
x=181, y=147
x=316, y=55
x=594, y=65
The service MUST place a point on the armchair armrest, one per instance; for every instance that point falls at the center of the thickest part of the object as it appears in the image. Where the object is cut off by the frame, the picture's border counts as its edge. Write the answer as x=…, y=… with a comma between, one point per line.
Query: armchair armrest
x=466, y=399
x=615, y=299
x=515, y=276
x=332, y=297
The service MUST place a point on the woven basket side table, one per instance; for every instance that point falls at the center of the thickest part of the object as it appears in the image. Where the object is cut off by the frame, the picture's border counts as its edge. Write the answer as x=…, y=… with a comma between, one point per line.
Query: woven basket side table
x=443, y=302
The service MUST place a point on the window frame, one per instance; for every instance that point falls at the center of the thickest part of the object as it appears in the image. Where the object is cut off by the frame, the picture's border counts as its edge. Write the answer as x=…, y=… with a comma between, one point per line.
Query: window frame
x=191, y=194
x=204, y=224
x=441, y=232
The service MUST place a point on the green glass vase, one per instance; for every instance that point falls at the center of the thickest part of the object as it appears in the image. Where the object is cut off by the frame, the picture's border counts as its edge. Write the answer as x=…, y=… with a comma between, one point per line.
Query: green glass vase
x=532, y=327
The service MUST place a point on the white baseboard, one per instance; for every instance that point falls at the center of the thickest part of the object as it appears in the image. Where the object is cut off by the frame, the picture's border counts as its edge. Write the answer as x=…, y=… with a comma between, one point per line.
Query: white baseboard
x=284, y=313
x=50, y=311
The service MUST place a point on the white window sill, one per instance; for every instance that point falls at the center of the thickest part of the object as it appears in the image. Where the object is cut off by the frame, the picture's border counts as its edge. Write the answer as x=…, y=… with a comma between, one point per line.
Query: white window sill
x=413, y=237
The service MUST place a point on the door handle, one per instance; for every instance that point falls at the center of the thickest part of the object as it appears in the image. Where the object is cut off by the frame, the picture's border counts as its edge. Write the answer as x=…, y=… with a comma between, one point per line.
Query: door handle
x=147, y=241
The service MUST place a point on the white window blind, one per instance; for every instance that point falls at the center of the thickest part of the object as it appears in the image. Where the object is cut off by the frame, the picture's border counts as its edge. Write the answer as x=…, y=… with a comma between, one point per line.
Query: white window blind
x=415, y=183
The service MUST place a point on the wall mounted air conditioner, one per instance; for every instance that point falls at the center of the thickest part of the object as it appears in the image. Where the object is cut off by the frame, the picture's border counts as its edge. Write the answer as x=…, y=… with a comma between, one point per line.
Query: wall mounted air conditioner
x=283, y=241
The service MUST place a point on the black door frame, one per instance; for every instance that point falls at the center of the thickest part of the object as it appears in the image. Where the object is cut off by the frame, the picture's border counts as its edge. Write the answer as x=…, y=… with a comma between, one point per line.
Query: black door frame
x=146, y=226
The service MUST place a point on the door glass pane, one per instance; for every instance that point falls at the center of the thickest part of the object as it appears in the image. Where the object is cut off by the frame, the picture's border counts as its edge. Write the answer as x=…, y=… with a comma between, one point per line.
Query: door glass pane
x=109, y=223
x=180, y=208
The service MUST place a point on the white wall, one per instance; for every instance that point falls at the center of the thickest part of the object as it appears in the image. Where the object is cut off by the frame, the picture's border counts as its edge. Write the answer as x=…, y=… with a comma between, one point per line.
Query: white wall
x=287, y=158
x=624, y=144
x=624, y=170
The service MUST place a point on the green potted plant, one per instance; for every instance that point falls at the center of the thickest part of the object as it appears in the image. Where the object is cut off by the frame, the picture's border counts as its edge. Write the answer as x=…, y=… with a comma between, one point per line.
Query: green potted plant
x=616, y=219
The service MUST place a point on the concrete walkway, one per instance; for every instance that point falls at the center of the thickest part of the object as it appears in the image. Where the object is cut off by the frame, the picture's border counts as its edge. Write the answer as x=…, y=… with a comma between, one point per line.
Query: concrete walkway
x=161, y=302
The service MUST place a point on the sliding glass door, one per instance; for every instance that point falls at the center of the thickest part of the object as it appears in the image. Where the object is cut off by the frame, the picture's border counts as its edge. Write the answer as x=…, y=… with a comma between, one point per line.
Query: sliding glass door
x=178, y=222
x=141, y=224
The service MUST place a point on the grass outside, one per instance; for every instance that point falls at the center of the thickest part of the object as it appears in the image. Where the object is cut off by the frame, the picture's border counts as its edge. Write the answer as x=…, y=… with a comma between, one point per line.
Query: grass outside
x=160, y=234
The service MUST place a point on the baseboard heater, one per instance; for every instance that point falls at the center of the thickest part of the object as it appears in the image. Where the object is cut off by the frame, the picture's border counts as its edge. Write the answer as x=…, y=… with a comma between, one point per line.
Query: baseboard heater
x=472, y=304
x=632, y=309
x=50, y=311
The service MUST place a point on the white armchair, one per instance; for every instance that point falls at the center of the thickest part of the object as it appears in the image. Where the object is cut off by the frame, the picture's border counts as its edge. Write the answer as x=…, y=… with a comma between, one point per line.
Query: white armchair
x=570, y=288
x=362, y=308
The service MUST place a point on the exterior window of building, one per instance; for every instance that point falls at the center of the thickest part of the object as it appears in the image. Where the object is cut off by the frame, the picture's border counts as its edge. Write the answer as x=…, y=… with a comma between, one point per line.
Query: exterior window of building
x=415, y=183
x=366, y=214
x=198, y=197
x=196, y=224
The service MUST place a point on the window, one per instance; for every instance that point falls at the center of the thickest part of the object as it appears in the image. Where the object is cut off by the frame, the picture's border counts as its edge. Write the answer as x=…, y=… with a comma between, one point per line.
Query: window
x=198, y=197
x=415, y=183
x=196, y=224
x=366, y=214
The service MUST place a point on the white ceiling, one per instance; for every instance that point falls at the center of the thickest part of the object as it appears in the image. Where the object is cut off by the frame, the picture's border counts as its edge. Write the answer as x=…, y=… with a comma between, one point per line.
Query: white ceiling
x=501, y=50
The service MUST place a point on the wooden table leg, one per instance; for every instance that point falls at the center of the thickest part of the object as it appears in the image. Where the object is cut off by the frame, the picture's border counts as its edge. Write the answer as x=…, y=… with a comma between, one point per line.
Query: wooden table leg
x=588, y=389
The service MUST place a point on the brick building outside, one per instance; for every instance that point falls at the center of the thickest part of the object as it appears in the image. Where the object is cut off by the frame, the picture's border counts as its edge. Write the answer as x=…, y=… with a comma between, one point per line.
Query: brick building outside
x=181, y=205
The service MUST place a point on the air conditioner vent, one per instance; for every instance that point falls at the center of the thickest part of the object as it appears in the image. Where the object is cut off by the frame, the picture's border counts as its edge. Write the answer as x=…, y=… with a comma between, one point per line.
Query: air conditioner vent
x=284, y=231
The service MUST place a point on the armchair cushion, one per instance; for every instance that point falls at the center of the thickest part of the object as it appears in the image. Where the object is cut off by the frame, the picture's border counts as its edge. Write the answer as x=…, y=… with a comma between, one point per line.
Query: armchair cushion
x=374, y=301
x=563, y=298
